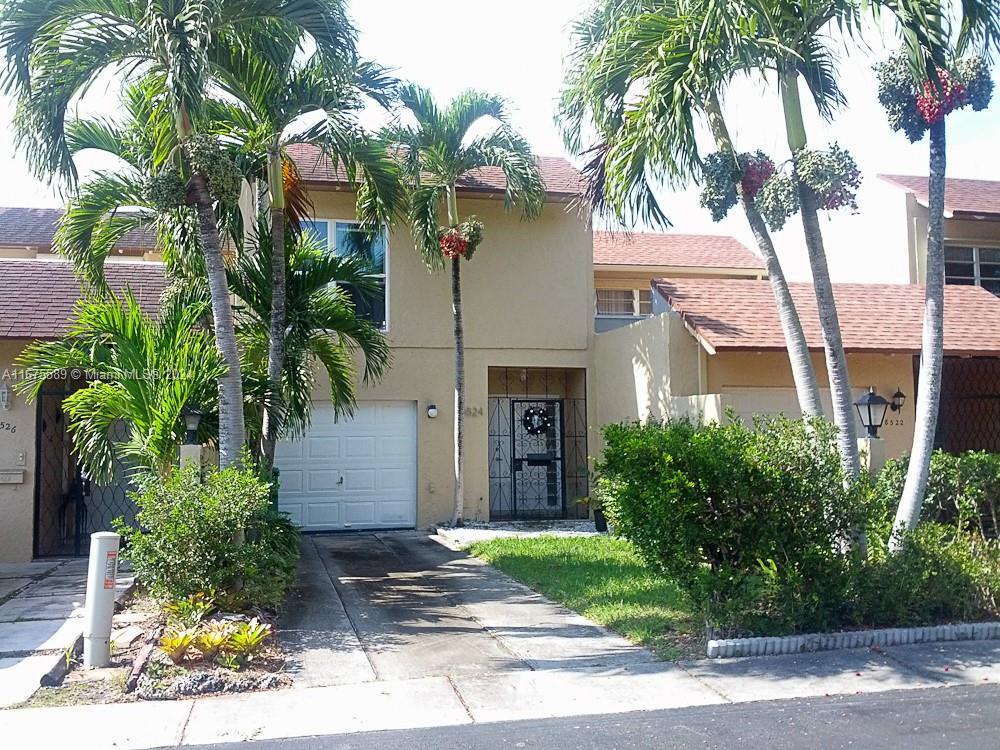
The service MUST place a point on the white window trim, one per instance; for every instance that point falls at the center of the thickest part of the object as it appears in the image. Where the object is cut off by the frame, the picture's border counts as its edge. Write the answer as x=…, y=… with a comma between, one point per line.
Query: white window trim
x=635, y=305
x=331, y=232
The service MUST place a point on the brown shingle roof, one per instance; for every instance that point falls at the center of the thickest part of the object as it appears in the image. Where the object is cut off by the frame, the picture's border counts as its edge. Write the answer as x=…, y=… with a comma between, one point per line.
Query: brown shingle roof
x=37, y=296
x=562, y=179
x=668, y=249
x=969, y=197
x=35, y=227
x=741, y=314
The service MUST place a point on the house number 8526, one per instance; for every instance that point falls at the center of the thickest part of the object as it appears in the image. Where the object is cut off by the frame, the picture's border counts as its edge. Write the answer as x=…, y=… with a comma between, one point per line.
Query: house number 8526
x=8, y=427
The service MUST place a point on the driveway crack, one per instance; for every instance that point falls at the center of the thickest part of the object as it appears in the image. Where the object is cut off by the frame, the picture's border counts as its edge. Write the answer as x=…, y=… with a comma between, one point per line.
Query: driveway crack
x=461, y=698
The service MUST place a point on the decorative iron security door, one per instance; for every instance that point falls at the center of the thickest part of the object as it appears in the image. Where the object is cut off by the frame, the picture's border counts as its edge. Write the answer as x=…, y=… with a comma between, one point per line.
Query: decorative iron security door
x=537, y=458
x=68, y=506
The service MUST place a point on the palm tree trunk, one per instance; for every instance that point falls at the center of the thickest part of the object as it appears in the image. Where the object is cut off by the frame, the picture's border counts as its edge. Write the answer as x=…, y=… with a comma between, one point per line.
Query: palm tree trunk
x=231, y=428
x=836, y=359
x=276, y=346
x=931, y=352
x=803, y=374
x=458, y=509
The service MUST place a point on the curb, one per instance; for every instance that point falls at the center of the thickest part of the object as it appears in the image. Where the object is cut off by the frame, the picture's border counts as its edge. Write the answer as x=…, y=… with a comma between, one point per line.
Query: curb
x=812, y=642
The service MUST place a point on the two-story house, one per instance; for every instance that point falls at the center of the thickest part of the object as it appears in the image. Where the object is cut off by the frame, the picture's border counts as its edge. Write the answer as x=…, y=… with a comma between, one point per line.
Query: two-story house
x=566, y=330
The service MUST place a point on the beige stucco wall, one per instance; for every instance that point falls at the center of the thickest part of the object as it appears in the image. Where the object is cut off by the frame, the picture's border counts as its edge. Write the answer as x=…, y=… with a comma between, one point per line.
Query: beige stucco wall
x=17, y=453
x=642, y=368
x=527, y=302
x=761, y=382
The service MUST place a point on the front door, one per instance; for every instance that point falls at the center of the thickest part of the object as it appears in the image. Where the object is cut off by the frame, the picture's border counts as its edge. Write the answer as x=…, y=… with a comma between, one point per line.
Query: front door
x=537, y=458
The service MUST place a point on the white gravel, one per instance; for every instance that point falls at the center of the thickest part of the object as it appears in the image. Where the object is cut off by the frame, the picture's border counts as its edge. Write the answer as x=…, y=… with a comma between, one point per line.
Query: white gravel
x=480, y=532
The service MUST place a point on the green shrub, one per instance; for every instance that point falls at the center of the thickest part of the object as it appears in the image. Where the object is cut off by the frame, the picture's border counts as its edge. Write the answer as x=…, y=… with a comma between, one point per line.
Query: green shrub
x=216, y=534
x=737, y=515
x=754, y=524
x=962, y=490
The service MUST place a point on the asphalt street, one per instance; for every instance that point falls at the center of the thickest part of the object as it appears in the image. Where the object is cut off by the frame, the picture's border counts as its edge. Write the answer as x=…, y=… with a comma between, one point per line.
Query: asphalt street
x=930, y=719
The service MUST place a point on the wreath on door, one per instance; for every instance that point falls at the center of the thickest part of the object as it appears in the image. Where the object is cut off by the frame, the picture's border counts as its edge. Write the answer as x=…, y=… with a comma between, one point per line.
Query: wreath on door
x=536, y=421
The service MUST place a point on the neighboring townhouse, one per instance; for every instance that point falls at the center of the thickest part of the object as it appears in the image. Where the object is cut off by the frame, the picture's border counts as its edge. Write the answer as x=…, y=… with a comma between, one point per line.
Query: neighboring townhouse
x=46, y=506
x=719, y=344
x=624, y=263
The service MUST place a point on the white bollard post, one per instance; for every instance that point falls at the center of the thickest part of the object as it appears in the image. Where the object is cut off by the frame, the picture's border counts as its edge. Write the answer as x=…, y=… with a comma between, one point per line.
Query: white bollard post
x=101, y=576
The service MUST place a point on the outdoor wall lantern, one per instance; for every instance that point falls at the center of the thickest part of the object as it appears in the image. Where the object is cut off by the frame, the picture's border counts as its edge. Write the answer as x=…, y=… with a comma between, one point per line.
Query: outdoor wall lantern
x=432, y=411
x=6, y=396
x=872, y=408
x=192, y=419
x=898, y=399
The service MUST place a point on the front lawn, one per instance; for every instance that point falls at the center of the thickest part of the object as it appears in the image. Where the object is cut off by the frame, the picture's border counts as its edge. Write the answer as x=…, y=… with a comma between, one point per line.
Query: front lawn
x=601, y=578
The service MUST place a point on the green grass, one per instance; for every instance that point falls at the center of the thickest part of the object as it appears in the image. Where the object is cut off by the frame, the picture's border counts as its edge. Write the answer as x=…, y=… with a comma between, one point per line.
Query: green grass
x=601, y=578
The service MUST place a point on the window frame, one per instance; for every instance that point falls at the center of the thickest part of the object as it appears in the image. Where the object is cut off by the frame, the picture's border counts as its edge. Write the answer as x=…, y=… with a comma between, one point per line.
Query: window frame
x=636, y=302
x=331, y=235
x=977, y=275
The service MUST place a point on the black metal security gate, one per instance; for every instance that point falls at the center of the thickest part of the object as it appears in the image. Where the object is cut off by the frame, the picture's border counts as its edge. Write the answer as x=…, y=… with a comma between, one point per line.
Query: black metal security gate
x=68, y=506
x=538, y=451
x=969, y=414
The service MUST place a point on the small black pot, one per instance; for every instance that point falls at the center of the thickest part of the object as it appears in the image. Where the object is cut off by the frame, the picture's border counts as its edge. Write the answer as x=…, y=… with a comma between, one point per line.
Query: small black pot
x=600, y=522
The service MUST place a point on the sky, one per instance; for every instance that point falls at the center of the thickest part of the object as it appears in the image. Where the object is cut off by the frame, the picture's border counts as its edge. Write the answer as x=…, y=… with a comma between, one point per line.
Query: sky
x=516, y=49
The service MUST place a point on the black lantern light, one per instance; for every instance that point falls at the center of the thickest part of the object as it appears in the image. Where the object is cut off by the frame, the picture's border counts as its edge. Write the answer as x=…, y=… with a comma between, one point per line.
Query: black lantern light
x=192, y=420
x=872, y=408
x=898, y=399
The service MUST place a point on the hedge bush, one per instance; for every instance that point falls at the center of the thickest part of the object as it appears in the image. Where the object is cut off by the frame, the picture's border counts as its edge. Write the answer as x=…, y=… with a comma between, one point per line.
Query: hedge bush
x=216, y=533
x=754, y=523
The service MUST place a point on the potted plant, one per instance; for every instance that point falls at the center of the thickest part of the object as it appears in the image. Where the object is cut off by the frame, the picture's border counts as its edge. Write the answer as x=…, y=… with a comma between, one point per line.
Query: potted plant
x=597, y=511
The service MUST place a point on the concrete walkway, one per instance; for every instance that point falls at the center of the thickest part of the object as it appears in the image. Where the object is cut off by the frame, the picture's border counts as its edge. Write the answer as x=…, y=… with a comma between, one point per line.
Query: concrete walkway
x=41, y=619
x=398, y=632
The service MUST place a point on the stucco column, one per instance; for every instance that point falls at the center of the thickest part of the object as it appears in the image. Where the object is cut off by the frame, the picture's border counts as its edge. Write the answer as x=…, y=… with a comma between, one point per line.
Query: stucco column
x=191, y=454
x=872, y=454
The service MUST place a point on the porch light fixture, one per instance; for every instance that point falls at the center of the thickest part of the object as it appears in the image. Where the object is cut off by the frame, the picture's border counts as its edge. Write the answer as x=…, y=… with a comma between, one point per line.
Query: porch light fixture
x=898, y=399
x=872, y=408
x=192, y=420
x=432, y=411
x=6, y=396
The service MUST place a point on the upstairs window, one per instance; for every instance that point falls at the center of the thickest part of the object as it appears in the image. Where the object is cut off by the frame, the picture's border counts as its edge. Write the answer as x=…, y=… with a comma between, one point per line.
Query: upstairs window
x=979, y=266
x=347, y=238
x=624, y=303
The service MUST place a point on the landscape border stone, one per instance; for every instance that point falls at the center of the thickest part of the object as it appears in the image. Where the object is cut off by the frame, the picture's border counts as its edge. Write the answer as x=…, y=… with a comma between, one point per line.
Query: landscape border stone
x=724, y=648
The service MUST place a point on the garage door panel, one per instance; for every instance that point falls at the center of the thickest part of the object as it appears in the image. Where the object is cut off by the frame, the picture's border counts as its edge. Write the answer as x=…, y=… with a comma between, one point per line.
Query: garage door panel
x=362, y=513
x=322, y=514
x=355, y=472
x=290, y=481
x=398, y=512
x=359, y=479
x=392, y=447
x=286, y=451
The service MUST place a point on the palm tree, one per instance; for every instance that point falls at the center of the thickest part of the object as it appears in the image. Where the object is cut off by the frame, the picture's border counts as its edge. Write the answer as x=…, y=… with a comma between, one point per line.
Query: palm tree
x=644, y=45
x=55, y=50
x=437, y=150
x=273, y=95
x=927, y=69
x=142, y=371
x=321, y=325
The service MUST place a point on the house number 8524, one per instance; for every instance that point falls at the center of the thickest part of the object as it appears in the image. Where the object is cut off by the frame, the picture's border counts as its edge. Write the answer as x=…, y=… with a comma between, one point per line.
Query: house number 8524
x=474, y=411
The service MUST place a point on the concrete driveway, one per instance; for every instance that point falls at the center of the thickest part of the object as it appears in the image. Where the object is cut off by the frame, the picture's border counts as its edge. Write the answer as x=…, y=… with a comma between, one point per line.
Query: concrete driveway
x=398, y=605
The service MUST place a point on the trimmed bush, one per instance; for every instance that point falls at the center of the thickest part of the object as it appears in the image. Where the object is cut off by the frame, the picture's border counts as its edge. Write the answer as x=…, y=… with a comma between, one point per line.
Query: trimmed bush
x=217, y=534
x=755, y=525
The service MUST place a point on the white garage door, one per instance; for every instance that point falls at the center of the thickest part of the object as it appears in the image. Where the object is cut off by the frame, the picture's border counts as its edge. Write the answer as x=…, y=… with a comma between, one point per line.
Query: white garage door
x=356, y=473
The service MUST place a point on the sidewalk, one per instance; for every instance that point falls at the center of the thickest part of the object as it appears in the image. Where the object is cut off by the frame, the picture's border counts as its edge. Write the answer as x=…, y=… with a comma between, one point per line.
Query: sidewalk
x=41, y=620
x=449, y=701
